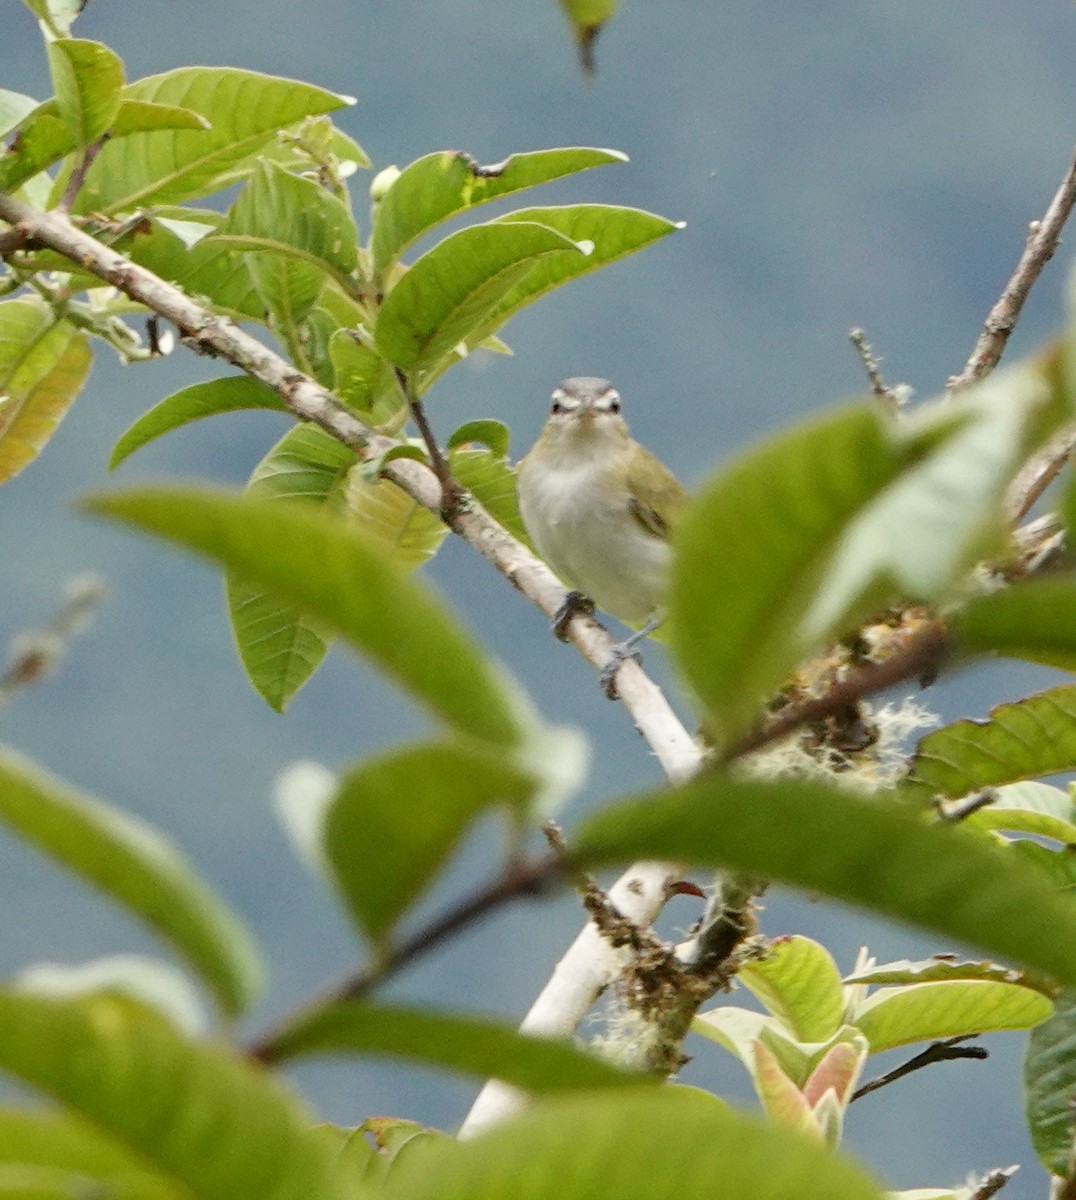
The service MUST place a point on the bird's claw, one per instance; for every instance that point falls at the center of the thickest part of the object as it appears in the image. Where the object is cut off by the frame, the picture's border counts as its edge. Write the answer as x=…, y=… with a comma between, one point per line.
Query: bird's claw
x=573, y=604
x=620, y=653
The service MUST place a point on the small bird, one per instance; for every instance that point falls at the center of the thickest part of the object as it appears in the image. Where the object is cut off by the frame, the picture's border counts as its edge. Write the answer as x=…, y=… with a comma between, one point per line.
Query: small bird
x=599, y=507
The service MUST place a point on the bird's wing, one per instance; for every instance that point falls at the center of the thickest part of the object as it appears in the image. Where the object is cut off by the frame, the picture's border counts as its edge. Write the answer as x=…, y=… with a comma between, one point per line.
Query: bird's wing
x=657, y=496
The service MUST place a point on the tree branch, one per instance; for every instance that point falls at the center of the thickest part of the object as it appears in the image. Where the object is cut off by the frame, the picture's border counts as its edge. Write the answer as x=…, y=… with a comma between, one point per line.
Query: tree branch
x=641, y=891
x=944, y=1051
x=1044, y=236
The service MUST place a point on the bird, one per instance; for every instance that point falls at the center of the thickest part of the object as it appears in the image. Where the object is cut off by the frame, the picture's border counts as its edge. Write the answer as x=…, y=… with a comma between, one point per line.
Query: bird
x=600, y=508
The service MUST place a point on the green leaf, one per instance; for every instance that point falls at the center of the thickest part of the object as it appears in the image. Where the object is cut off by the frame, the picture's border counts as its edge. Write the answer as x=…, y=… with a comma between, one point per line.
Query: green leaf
x=472, y=1045
x=88, y=79
x=611, y=232
x=136, y=867
x=214, y=273
x=861, y=849
x=492, y=479
x=244, y=110
x=63, y=1142
x=279, y=646
x=144, y=116
x=397, y=818
x=410, y=534
x=952, y=495
x=366, y=382
x=43, y=365
x=1030, y=807
x=493, y=434
x=296, y=232
x=772, y=517
x=1050, y=1084
x=449, y=292
x=938, y=969
x=1034, y=736
x=14, y=108
x=799, y=983
x=214, y=1126
x=1034, y=620
x=648, y=1145
x=230, y=394
x=924, y=1012
x=43, y=137
x=341, y=578
x=439, y=185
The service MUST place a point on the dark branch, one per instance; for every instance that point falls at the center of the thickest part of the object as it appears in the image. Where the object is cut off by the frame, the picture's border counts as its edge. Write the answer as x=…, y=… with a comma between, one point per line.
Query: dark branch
x=944, y=1051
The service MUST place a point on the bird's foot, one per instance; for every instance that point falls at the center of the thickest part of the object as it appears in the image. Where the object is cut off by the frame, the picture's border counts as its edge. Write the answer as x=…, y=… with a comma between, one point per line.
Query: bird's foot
x=620, y=653
x=573, y=604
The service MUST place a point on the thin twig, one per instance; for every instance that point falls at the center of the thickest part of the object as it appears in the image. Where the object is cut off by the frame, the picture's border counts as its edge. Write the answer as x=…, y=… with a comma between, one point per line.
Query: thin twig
x=959, y=810
x=78, y=175
x=1039, y=473
x=879, y=387
x=34, y=654
x=451, y=491
x=1044, y=236
x=943, y=1051
x=521, y=879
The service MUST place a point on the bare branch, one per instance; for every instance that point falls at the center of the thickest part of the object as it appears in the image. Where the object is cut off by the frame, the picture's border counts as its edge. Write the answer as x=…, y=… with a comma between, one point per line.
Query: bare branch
x=34, y=654
x=1044, y=236
x=879, y=387
x=944, y=1051
x=921, y=655
x=993, y=1181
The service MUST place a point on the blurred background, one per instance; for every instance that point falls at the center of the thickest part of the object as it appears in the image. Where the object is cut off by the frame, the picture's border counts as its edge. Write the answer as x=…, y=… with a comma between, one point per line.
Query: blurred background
x=836, y=164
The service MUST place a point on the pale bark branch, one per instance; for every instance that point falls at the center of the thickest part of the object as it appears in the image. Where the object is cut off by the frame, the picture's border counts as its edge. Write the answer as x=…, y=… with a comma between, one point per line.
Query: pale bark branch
x=640, y=893
x=1044, y=236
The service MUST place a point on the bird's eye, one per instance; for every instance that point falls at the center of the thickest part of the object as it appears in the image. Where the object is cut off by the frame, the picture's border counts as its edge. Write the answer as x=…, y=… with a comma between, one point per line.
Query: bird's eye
x=556, y=407
x=614, y=406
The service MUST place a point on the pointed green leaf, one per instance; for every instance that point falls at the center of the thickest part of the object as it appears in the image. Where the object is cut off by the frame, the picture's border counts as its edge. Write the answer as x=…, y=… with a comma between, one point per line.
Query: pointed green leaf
x=798, y=982
x=448, y=293
x=87, y=78
x=136, y=867
x=230, y=394
x=278, y=645
x=244, y=110
x=773, y=517
x=647, y=1145
x=472, y=1045
x=213, y=1125
x=1034, y=736
x=1034, y=620
x=610, y=231
x=1050, y=1084
x=410, y=534
x=434, y=187
x=280, y=213
x=41, y=139
x=860, y=849
x=924, y=1012
x=397, y=818
x=43, y=365
x=340, y=577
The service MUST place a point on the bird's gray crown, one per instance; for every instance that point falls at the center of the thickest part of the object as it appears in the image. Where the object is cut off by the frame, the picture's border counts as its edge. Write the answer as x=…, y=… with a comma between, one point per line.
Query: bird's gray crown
x=588, y=390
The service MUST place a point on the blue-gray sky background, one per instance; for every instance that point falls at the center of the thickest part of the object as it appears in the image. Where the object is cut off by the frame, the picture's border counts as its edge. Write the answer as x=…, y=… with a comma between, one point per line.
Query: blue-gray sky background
x=837, y=164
